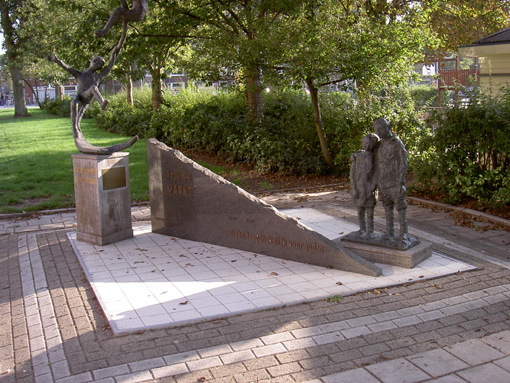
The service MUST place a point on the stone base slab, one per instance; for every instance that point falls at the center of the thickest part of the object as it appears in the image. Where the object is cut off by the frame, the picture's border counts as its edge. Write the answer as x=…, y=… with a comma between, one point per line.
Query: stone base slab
x=101, y=240
x=378, y=254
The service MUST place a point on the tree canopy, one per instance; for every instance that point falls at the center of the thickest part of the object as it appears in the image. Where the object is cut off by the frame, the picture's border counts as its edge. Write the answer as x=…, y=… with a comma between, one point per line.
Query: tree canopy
x=363, y=44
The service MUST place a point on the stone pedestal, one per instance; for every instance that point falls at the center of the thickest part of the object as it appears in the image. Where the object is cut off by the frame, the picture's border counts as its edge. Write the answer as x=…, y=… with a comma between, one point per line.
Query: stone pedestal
x=102, y=197
x=378, y=254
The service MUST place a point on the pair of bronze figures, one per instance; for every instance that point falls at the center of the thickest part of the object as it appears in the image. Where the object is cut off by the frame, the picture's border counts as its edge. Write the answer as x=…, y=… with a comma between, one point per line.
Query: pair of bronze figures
x=380, y=168
x=90, y=79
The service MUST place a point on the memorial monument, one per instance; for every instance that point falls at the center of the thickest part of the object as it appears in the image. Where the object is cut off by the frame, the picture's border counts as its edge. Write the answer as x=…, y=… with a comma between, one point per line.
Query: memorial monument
x=101, y=174
x=188, y=201
x=381, y=168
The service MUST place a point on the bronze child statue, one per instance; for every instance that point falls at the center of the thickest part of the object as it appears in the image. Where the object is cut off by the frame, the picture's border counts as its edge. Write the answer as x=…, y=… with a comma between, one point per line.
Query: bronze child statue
x=364, y=183
x=136, y=13
x=88, y=82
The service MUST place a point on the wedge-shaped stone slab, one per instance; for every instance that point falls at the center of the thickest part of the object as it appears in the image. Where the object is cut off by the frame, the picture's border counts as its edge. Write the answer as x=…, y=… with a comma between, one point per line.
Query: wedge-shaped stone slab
x=190, y=202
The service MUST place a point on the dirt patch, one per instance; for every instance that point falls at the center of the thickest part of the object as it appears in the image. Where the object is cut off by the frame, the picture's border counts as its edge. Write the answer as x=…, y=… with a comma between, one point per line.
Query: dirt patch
x=246, y=177
x=260, y=185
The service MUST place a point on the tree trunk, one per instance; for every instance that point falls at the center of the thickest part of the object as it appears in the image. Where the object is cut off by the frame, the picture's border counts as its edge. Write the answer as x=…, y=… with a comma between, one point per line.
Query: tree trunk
x=129, y=90
x=157, y=93
x=18, y=88
x=319, y=125
x=60, y=91
x=34, y=92
x=11, y=47
x=254, y=93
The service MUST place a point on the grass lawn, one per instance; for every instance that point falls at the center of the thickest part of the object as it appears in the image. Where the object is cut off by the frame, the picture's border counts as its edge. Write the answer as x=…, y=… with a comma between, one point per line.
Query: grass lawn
x=36, y=170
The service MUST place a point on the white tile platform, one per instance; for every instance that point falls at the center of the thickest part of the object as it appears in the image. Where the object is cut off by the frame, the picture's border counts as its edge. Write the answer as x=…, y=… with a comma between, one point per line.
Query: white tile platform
x=154, y=280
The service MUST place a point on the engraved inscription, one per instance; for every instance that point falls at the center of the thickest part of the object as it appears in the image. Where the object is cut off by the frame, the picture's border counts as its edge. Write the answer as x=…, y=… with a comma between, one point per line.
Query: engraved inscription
x=178, y=175
x=277, y=241
x=85, y=175
x=179, y=190
x=175, y=186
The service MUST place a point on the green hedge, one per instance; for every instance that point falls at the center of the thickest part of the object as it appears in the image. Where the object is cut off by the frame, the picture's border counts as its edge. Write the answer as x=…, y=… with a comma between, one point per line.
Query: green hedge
x=465, y=151
x=60, y=108
x=458, y=151
x=284, y=140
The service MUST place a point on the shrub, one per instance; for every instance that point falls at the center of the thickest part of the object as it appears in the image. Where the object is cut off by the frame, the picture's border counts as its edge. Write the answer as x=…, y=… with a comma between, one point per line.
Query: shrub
x=424, y=95
x=284, y=140
x=60, y=108
x=466, y=151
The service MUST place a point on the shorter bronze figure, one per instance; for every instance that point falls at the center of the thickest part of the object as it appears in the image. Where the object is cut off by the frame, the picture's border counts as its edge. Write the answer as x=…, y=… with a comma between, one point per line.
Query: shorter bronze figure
x=136, y=13
x=364, y=183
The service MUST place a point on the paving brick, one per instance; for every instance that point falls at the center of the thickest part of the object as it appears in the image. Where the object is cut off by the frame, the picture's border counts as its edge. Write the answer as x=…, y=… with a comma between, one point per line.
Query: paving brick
x=146, y=364
x=382, y=326
x=135, y=377
x=238, y=356
x=284, y=369
x=276, y=338
x=205, y=363
x=293, y=356
x=111, y=371
x=81, y=378
x=260, y=363
x=227, y=371
x=252, y=376
x=343, y=356
x=246, y=344
x=269, y=350
x=374, y=349
x=213, y=351
x=299, y=344
x=315, y=362
x=166, y=371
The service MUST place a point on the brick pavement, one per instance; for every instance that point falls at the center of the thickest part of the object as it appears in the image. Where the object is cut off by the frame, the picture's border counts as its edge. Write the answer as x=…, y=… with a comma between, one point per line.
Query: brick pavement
x=52, y=327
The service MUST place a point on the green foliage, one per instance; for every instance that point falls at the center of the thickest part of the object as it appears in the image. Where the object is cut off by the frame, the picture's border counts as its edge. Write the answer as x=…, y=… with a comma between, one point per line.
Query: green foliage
x=424, y=95
x=61, y=108
x=466, y=150
x=285, y=139
x=348, y=120
x=57, y=107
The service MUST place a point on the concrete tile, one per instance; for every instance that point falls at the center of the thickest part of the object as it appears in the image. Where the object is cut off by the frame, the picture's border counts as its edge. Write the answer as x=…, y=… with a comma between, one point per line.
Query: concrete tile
x=503, y=363
x=500, y=341
x=474, y=352
x=437, y=362
x=398, y=370
x=448, y=379
x=351, y=376
x=488, y=372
